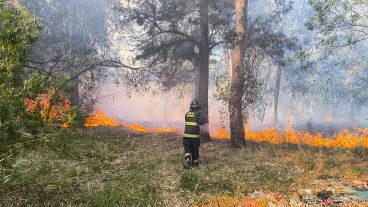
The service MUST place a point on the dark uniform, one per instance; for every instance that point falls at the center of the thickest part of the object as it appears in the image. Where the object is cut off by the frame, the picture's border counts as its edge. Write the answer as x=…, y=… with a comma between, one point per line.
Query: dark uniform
x=191, y=141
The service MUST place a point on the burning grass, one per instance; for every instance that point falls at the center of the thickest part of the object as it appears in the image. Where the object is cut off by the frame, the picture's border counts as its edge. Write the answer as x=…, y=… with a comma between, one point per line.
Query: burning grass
x=345, y=139
x=98, y=119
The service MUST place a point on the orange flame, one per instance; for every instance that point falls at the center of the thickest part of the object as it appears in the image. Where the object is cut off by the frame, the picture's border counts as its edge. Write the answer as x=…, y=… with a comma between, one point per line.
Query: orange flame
x=345, y=139
x=138, y=127
x=167, y=129
x=100, y=119
x=48, y=113
x=222, y=134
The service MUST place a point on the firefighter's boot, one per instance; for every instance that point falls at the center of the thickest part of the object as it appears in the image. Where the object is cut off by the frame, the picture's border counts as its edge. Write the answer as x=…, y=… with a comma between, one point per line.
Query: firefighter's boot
x=187, y=161
x=195, y=163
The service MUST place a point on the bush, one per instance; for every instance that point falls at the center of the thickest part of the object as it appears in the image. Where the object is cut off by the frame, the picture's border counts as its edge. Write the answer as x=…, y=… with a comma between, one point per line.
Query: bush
x=33, y=104
x=30, y=101
x=18, y=31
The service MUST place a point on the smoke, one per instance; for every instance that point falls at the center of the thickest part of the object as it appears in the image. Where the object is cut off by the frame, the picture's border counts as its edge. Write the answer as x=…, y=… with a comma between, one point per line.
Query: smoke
x=163, y=109
x=299, y=101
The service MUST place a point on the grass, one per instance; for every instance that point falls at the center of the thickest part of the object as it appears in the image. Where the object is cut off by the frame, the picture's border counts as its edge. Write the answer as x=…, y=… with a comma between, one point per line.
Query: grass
x=110, y=167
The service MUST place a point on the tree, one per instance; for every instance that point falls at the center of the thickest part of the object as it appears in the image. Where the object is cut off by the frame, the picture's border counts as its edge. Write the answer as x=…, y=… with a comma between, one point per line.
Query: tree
x=265, y=46
x=341, y=29
x=278, y=56
x=73, y=44
x=276, y=94
x=340, y=23
x=204, y=55
x=165, y=35
x=237, y=75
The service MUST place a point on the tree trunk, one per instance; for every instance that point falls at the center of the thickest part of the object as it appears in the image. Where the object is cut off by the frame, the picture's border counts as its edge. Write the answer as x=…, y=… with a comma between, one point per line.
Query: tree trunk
x=311, y=110
x=276, y=93
x=237, y=76
x=352, y=111
x=74, y=94
x=203, y=73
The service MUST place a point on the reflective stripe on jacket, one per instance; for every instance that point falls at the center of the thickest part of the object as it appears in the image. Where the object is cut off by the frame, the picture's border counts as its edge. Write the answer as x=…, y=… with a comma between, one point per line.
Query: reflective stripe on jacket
x=191, y=125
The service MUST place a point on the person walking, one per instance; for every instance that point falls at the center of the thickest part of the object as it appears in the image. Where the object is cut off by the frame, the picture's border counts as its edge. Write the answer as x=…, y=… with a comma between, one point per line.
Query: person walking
x=191, y=141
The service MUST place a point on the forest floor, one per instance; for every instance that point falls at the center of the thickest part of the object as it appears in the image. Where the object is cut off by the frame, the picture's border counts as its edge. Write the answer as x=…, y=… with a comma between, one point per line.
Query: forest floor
x=115, y=167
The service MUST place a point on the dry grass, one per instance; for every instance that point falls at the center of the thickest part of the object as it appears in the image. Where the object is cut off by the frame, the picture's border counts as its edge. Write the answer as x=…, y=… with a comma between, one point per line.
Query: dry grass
x=111, y=167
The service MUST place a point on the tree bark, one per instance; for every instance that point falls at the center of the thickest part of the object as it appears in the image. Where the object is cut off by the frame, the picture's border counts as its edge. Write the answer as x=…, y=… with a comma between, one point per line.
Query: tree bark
x=74, y=94
x=237, y=76
x=203, y=73
x=276, y=94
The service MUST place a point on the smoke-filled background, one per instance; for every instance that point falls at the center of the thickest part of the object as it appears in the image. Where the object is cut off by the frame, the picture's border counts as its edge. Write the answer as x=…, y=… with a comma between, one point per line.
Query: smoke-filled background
x=328, y=93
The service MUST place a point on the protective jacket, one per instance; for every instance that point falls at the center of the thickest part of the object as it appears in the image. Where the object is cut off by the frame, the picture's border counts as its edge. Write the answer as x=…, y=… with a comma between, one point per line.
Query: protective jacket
x=193, y=119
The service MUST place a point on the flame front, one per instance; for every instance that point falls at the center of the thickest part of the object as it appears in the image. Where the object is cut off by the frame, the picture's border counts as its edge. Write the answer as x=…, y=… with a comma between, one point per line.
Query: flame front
x=137, y=127
x=100, y=119
x=345, y=139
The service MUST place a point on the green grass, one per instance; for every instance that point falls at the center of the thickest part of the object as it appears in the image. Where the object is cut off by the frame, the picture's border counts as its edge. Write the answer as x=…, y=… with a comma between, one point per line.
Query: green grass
x=133, y=188
x=192, y=181
x=108, y=167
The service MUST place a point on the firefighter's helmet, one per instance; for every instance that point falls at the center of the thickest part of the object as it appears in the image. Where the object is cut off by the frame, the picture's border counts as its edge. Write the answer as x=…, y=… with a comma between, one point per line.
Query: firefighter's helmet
x=195, y=104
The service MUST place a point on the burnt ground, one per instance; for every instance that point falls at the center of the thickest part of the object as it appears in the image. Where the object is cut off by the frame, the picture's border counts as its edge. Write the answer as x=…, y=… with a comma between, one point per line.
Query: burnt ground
x=115, y=167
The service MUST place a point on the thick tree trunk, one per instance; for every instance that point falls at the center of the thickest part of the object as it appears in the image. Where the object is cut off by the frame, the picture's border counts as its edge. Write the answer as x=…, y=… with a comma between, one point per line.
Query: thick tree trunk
x=237, y=76
x=204, y=55
x=276, y=94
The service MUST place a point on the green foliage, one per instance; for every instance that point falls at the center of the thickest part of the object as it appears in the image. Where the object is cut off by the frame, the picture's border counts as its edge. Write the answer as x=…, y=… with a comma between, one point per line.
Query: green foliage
x=75, y=117
x=304, y=59
x=339, y=23
x=21, y=108
x=18, y=31
x=26, y=121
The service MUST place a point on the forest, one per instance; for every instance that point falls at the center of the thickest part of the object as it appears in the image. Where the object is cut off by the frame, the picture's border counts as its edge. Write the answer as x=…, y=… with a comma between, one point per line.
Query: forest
x=95, y=94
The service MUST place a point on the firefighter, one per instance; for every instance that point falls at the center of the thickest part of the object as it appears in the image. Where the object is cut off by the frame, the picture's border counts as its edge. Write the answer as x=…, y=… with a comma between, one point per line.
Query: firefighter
x=191, y=141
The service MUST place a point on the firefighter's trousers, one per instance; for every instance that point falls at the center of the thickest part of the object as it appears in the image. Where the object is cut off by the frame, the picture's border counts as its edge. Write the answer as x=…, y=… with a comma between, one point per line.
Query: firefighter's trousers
x=191, y=148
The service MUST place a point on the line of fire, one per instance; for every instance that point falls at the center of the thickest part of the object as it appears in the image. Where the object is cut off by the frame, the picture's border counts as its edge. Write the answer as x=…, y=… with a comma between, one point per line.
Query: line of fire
x=347, y=138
